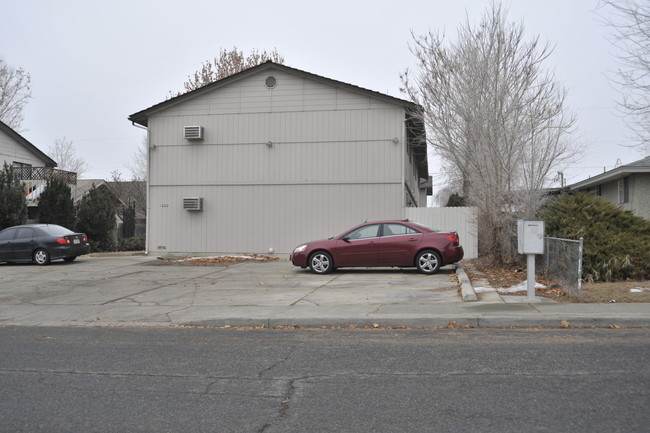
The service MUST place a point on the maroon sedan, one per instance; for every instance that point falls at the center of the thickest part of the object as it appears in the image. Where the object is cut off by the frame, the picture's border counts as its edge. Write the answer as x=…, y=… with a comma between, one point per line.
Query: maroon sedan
x=383, y=243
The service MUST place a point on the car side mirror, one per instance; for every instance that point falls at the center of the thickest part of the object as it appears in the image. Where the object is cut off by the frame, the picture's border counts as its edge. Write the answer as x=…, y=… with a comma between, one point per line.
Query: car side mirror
x=345, y=239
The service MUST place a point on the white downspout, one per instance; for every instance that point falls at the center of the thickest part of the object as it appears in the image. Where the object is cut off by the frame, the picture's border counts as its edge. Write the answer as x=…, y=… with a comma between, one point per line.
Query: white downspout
x=403, y=159
x=147, y=225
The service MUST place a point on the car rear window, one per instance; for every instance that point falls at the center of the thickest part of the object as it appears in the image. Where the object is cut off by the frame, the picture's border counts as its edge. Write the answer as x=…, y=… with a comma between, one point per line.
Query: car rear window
x=425, y=227
x=54, y=230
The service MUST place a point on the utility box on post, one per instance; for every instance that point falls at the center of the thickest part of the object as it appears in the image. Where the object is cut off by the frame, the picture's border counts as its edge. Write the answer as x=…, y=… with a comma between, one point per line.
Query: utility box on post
x=530, y=241
x=530, y=236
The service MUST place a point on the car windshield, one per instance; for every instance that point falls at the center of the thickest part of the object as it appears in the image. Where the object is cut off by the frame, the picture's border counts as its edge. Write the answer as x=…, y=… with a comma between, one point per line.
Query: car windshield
x=54, y=230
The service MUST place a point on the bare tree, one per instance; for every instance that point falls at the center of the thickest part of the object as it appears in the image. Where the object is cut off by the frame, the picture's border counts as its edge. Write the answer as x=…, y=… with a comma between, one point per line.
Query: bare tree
x=227, y=63
x=495, y=117
x=133, y=192
x=15, y=93
x=139, y=161
x=631, y=35
x=63, y=152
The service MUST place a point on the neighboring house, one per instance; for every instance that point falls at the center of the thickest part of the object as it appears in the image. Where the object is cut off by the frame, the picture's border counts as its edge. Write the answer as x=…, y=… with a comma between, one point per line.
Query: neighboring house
x=34, y=168
x=627, y=186
x=82, y=188
x=273, y=156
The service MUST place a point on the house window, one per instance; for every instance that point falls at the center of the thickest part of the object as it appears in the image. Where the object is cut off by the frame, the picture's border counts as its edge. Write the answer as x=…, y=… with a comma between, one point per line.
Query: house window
x=598, y=191
x=623, y=190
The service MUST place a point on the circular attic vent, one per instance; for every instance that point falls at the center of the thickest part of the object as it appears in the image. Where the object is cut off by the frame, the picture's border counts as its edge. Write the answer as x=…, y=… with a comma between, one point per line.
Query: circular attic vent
x=271, y=82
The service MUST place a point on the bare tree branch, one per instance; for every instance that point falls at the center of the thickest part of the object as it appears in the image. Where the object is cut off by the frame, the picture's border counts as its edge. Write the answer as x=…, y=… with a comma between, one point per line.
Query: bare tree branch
x=139, y=161
x=15, y=93
x=631, y=35
x=495, y=117
x=228, y=62
x=63, y=152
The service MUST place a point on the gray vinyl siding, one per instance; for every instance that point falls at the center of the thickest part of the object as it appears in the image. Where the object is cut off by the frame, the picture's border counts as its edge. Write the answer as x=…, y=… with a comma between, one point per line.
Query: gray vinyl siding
x=235, y=148
x=332, y=164
x=640, y=194
x=11, y=151
x=256, y=218
x=638, y=197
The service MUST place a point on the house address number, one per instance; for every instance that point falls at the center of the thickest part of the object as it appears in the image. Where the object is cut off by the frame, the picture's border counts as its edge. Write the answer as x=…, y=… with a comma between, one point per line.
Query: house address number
x=164, y=205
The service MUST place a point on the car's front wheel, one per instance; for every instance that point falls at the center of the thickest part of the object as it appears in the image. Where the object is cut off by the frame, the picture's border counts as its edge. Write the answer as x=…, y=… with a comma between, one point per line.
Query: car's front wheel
x=41, y=257
x=321, y=262
x=428, y=262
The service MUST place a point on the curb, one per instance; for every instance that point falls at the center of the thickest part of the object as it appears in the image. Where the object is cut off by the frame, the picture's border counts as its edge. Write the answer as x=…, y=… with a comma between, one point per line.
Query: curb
x=466, y=290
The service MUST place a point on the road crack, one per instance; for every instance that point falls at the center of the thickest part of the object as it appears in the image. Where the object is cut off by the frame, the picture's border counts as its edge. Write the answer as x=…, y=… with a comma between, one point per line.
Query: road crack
x=312, y=292
x=284, y=408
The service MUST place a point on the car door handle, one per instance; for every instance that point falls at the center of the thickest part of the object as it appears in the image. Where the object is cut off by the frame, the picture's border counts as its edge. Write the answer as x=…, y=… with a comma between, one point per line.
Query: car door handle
x=412, y=239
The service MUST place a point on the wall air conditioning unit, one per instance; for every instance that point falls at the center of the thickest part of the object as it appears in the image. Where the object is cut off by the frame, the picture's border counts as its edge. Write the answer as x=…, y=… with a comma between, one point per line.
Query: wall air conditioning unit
x=193, y=203
x=193, y=132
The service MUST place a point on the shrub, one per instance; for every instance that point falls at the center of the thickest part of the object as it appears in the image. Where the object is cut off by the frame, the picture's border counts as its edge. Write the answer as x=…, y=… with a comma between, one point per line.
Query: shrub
x=128, y=228
x=96, y=218
x=13, y=207
x=616, y=242
x=456, y=200
x=131, y=244
x=56, y=205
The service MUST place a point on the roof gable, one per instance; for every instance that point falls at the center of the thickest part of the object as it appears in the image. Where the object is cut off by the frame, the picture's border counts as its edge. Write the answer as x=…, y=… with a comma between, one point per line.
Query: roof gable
x=49, y=162
x=142, y=117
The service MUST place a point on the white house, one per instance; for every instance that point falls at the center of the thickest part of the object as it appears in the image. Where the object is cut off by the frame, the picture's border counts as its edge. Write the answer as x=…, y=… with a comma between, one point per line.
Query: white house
x=16, y=151
x=273, y=156
x=34, y=167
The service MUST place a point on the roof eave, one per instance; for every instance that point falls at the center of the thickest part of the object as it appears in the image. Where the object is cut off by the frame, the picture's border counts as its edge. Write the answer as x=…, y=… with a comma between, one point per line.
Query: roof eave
x=609, y=176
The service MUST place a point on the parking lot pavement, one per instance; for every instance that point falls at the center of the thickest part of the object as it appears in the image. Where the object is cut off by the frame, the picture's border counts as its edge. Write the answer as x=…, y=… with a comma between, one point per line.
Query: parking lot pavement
x=141, y=290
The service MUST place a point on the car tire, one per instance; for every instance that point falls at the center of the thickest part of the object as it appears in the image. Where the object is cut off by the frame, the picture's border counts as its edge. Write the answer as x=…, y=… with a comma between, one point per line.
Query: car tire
x=41, y=257
x=321, y=262
x=428, y=262
x=70, y=259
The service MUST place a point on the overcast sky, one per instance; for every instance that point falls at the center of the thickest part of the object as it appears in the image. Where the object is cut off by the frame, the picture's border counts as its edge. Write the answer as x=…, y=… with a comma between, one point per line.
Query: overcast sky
x=93, y=63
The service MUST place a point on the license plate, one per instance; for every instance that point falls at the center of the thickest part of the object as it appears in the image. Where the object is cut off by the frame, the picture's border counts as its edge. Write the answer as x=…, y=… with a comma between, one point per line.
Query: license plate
x=76, y=241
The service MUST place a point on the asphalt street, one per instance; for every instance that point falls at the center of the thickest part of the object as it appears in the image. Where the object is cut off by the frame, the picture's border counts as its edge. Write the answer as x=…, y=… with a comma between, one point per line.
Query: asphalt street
x=102, y=379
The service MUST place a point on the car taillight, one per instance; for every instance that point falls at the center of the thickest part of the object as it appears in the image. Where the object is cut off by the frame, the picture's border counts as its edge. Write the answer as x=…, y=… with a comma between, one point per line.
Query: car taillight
x=453, y=237
x=84, y=238
x=63, y=241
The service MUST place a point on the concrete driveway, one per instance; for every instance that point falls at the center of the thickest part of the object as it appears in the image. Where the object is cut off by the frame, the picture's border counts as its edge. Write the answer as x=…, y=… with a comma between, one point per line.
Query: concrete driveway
x=137, y=290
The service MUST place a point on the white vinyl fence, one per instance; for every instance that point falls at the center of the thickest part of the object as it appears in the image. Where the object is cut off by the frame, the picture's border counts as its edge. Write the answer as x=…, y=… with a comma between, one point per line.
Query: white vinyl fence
x=459, y=219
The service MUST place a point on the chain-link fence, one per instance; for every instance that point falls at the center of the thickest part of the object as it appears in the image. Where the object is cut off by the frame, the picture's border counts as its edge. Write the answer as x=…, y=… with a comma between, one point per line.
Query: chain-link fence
x=562, y=260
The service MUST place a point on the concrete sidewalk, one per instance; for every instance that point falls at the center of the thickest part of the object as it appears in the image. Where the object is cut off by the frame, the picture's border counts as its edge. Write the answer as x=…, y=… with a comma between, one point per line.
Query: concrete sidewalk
x=140, y=291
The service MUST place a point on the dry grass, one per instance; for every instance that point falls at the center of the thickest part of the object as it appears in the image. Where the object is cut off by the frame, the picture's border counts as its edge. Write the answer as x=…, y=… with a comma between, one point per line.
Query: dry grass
x=505, y=276
x=616, y=291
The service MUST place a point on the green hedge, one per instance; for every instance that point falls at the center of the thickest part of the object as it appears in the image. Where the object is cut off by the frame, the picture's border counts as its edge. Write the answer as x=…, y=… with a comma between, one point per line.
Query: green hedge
x=131, y=244
x=616, y=242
